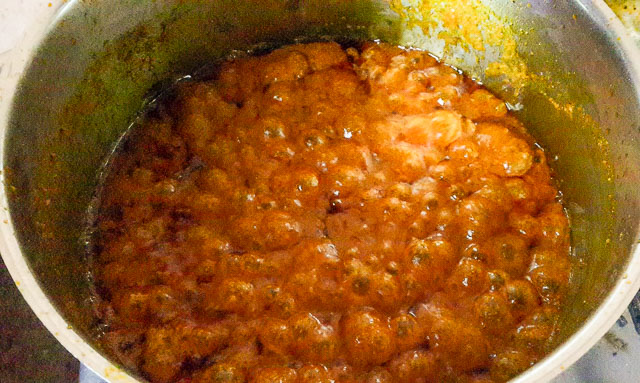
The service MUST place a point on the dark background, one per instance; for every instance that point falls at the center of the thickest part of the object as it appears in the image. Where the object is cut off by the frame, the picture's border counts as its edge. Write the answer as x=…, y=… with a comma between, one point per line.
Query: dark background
x=28, y=352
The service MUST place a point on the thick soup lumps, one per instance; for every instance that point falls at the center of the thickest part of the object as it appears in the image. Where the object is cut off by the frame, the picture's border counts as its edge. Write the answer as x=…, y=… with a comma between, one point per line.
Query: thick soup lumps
x=321, y=214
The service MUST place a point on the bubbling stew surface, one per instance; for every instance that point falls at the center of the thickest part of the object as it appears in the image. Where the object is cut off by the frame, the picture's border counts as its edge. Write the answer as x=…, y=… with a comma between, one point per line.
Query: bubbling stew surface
x=322, y=214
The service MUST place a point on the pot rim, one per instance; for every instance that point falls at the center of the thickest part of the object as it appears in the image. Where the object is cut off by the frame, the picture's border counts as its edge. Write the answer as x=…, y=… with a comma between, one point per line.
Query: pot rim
x=42, y=16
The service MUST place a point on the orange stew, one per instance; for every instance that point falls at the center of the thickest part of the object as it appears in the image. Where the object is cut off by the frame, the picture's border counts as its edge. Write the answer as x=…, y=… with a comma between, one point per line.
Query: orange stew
x=321, y=214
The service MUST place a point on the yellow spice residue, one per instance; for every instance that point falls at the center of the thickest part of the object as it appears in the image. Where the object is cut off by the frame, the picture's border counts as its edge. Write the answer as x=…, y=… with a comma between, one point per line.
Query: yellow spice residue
x=628, y=11
x=567, y=108
x=117, y=375
x=473, y=27
x=459, y=20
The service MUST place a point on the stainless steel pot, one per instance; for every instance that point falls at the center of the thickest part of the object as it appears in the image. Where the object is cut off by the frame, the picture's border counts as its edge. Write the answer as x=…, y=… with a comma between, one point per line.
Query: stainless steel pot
x=80, y=74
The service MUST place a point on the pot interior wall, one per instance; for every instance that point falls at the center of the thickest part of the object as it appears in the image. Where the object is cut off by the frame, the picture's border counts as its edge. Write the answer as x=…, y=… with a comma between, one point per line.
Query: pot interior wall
x=103, y=59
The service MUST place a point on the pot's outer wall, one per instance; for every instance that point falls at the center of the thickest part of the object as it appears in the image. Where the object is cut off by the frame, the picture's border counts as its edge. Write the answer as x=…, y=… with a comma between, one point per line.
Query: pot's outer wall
x=103, y=58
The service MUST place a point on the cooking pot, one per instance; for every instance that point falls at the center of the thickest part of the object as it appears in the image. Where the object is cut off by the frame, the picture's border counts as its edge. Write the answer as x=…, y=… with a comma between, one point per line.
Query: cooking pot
x=83, y=69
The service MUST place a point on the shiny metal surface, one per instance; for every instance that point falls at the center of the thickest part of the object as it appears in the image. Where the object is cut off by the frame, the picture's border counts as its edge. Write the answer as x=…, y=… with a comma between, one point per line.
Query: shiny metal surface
x=567, y=67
